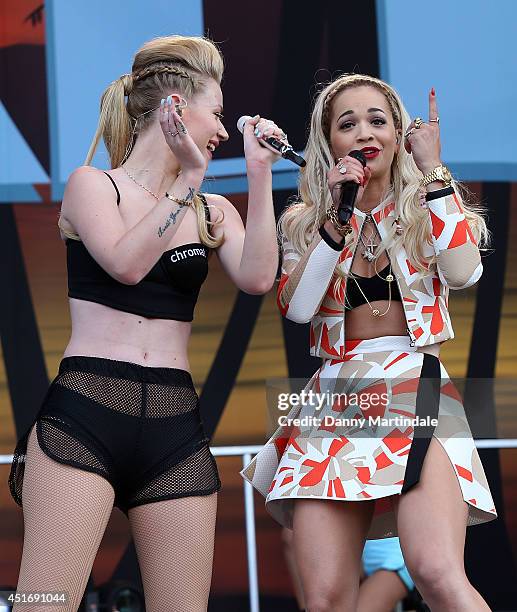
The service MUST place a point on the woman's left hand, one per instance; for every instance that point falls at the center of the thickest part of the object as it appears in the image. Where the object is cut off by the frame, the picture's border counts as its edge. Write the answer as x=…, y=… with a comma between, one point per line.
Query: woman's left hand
x=424, y=141
x=256, y=129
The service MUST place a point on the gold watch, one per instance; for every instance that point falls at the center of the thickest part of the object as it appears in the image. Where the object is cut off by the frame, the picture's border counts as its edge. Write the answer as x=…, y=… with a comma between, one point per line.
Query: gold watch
x=440, y=173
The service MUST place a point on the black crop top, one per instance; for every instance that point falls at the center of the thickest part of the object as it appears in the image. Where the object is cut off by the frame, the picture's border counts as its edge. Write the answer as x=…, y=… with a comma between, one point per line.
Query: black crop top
x=374, y=288
x=169, y=290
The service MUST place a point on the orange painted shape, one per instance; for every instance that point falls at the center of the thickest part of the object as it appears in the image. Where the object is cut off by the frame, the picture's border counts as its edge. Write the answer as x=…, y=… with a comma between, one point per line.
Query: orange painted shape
x=436, y=320
x=283, y=309
x=411, y=268
x=401, y=356
x=396, y=441
x=464, y=473
x=280, y=444
x=350, y=345
x=325, y=344
x=337, y=445
x=382, y=460
x=338, y=486
x=363, y=474
x=437, y=224
x=418, y=332
x=450, y=390
x=460, y=235
x=406, y=386
x=315, y=476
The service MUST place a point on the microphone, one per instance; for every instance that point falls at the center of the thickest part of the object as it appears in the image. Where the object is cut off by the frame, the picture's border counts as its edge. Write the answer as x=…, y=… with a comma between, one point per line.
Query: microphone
x=285, y=150
x=349, y=192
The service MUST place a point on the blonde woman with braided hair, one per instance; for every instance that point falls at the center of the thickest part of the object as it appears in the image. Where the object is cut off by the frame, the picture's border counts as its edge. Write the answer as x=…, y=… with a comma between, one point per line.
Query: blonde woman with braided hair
x=378, y=445
x=120, y=424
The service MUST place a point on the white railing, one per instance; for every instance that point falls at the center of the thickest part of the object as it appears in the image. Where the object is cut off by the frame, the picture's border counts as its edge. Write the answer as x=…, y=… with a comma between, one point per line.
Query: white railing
x=247, y=453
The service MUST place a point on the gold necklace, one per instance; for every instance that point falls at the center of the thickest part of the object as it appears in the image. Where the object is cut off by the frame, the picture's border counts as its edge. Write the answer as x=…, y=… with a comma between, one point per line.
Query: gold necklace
x=157, y=198
x=375, y=311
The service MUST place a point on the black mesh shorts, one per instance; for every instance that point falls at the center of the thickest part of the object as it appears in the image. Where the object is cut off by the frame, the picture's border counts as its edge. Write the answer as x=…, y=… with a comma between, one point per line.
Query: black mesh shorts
x=138, y=427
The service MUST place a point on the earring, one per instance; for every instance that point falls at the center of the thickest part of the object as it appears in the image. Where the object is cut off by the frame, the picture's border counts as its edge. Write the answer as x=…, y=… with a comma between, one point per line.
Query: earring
x=398, y=227
x=180, y=106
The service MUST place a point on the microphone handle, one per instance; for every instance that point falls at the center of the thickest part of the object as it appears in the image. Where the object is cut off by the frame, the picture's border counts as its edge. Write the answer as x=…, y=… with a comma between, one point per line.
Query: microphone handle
x=346, y=205
x=286, y=151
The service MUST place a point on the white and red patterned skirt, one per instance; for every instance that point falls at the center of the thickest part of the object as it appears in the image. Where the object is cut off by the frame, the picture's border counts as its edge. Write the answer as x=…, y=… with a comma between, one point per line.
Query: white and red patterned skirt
x=344, y=446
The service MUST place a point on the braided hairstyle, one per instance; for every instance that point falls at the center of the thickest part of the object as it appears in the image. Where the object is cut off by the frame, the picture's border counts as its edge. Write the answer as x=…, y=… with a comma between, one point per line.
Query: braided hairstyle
x=182, y=64
x=299, y=222
x=170, y=63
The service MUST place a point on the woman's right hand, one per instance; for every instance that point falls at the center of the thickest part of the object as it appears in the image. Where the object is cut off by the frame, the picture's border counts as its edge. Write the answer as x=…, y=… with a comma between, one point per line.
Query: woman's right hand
x=354, y=172
x=179, y=140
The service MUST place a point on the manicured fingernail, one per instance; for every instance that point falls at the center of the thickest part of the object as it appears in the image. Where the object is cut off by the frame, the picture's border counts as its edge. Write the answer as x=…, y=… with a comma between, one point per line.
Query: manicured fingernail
x=433, y=92
x=256, y=116
x=256, y=132
x=169, y=99
x=162, y=102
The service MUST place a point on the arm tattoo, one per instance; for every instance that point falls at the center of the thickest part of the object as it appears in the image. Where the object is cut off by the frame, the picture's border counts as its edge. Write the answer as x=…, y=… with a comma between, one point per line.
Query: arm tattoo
x=170, y=219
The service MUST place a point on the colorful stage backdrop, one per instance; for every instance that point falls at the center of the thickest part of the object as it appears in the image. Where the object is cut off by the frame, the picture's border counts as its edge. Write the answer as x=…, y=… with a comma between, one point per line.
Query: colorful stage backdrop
x=55, y=60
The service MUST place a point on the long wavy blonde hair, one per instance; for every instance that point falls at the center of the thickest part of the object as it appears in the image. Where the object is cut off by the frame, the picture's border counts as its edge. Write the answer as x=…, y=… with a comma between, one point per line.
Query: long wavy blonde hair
x=181, y=64
x=301, y=220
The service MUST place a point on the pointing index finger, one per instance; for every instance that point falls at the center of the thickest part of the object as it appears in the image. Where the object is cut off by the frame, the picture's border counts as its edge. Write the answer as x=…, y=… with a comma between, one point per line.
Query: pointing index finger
x=433, y=107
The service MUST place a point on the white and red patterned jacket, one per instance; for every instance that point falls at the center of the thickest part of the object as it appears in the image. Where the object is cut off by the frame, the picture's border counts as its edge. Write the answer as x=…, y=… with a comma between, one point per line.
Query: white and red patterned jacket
x=306, y=288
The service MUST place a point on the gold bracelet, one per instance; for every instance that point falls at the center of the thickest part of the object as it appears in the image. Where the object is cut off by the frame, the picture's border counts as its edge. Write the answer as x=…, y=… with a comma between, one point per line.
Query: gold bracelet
x=181, y=202
x=343, y=230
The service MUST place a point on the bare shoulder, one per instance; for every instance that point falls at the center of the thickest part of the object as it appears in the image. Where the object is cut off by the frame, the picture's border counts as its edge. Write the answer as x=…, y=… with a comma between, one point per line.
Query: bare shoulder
x=85, y=175
x=214, y=200
x=89, y=199
x=86, y=184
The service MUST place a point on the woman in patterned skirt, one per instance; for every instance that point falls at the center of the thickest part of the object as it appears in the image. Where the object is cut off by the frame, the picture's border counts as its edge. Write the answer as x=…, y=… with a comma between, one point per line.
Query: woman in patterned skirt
x=379, y=423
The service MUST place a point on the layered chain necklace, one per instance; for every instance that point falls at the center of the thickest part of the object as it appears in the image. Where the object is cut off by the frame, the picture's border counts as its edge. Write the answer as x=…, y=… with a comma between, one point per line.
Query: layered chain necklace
x=369, y=254
x=369, y=245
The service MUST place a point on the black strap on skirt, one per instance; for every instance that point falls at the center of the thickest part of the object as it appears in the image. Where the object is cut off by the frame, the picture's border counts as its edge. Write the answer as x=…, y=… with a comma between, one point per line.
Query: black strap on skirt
x=427, y=404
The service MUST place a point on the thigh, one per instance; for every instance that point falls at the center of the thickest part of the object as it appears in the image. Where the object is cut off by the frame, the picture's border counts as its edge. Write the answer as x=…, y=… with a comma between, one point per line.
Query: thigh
x=381, y=592
x=65, y=511
x=328, y=538
x=174, y=540
x=432, y=516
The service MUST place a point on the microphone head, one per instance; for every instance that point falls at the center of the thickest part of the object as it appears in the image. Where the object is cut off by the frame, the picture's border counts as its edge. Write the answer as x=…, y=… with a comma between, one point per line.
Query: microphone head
x=242, y=120
x=359, y=155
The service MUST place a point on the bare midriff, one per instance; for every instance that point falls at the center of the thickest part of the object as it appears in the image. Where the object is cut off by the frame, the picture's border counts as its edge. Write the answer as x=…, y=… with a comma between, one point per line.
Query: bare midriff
x=101, y=331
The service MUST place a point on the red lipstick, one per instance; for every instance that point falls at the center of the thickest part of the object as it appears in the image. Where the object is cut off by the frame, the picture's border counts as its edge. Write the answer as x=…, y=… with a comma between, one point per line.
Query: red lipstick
x=370, y=152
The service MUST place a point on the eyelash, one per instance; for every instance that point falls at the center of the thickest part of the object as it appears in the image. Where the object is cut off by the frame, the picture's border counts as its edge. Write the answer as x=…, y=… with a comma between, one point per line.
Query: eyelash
x=220, y=116
x=348, y=123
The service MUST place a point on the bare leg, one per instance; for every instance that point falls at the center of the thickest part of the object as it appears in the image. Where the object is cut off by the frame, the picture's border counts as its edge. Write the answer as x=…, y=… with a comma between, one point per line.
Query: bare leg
x=65, y=511
x=381, y=592
x=174, y=540
x=328, y=543
x=432, y=520
x=287, y=540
